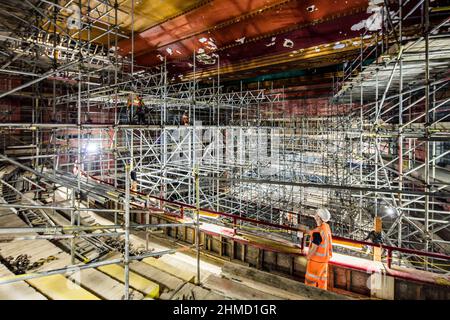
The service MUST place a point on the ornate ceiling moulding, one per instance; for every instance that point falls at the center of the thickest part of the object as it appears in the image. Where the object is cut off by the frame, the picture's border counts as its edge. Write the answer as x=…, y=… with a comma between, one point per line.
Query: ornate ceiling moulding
x=331, y=51
x=278, y=18
x=234, y=20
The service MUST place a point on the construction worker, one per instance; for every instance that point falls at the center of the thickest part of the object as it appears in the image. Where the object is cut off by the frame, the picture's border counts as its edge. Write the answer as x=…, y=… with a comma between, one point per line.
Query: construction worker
x=140, y=112
x=374, y=237
x=320, y=251
x=138, y=104
x=134, y=181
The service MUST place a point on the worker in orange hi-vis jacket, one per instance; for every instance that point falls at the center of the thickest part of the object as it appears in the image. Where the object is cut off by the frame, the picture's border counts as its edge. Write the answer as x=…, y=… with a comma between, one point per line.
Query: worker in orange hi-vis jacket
x=138, y=105
x=320, y=251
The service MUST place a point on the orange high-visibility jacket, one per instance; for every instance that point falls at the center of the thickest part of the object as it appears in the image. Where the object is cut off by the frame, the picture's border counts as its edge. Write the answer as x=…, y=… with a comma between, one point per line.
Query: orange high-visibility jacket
x=137, y=102
x=325, y=249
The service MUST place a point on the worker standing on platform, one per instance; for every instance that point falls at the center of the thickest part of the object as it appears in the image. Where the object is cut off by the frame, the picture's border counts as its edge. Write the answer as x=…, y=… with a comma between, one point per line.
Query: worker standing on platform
x=138, y=104
x=320, y=251
x=140, y=112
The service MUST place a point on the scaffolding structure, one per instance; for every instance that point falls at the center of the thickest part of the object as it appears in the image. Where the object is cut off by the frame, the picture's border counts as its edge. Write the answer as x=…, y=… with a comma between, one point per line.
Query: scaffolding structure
x=79, y=62
x=398, y=88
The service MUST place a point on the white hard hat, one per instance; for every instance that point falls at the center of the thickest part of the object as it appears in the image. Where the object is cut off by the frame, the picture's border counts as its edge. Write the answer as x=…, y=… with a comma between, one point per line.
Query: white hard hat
x=324, y=214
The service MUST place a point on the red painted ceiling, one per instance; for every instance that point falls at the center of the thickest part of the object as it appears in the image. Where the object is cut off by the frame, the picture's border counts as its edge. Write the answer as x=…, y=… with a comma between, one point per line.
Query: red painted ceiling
x=226, y=21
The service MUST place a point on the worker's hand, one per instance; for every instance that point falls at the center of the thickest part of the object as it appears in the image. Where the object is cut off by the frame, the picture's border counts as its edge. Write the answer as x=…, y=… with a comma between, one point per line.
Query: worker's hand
x=308, y=255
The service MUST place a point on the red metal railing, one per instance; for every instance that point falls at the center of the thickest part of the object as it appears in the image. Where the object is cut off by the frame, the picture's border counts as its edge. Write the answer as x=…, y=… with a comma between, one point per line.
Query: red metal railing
x=183, y=206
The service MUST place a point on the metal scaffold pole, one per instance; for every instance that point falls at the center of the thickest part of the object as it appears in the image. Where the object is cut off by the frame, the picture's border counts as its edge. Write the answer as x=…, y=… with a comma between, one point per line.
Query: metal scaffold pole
x=197, y=220
x=426, y=17
x=379, y=149
x=128, y=168
x=126, y=256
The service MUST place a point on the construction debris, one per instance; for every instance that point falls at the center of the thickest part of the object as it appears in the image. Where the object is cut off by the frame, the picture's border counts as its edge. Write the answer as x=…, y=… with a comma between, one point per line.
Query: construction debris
x=22, y=263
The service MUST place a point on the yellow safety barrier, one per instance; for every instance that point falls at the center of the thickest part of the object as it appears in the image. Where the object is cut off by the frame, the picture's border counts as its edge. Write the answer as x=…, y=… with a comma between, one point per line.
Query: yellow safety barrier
x=442, y=281
x=203, y=213
x=208, y=214
x=137, y=282
x=57, y=287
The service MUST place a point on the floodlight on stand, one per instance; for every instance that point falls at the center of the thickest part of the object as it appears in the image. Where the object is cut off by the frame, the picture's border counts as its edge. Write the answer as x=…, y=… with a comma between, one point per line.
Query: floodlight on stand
x=389, y=211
